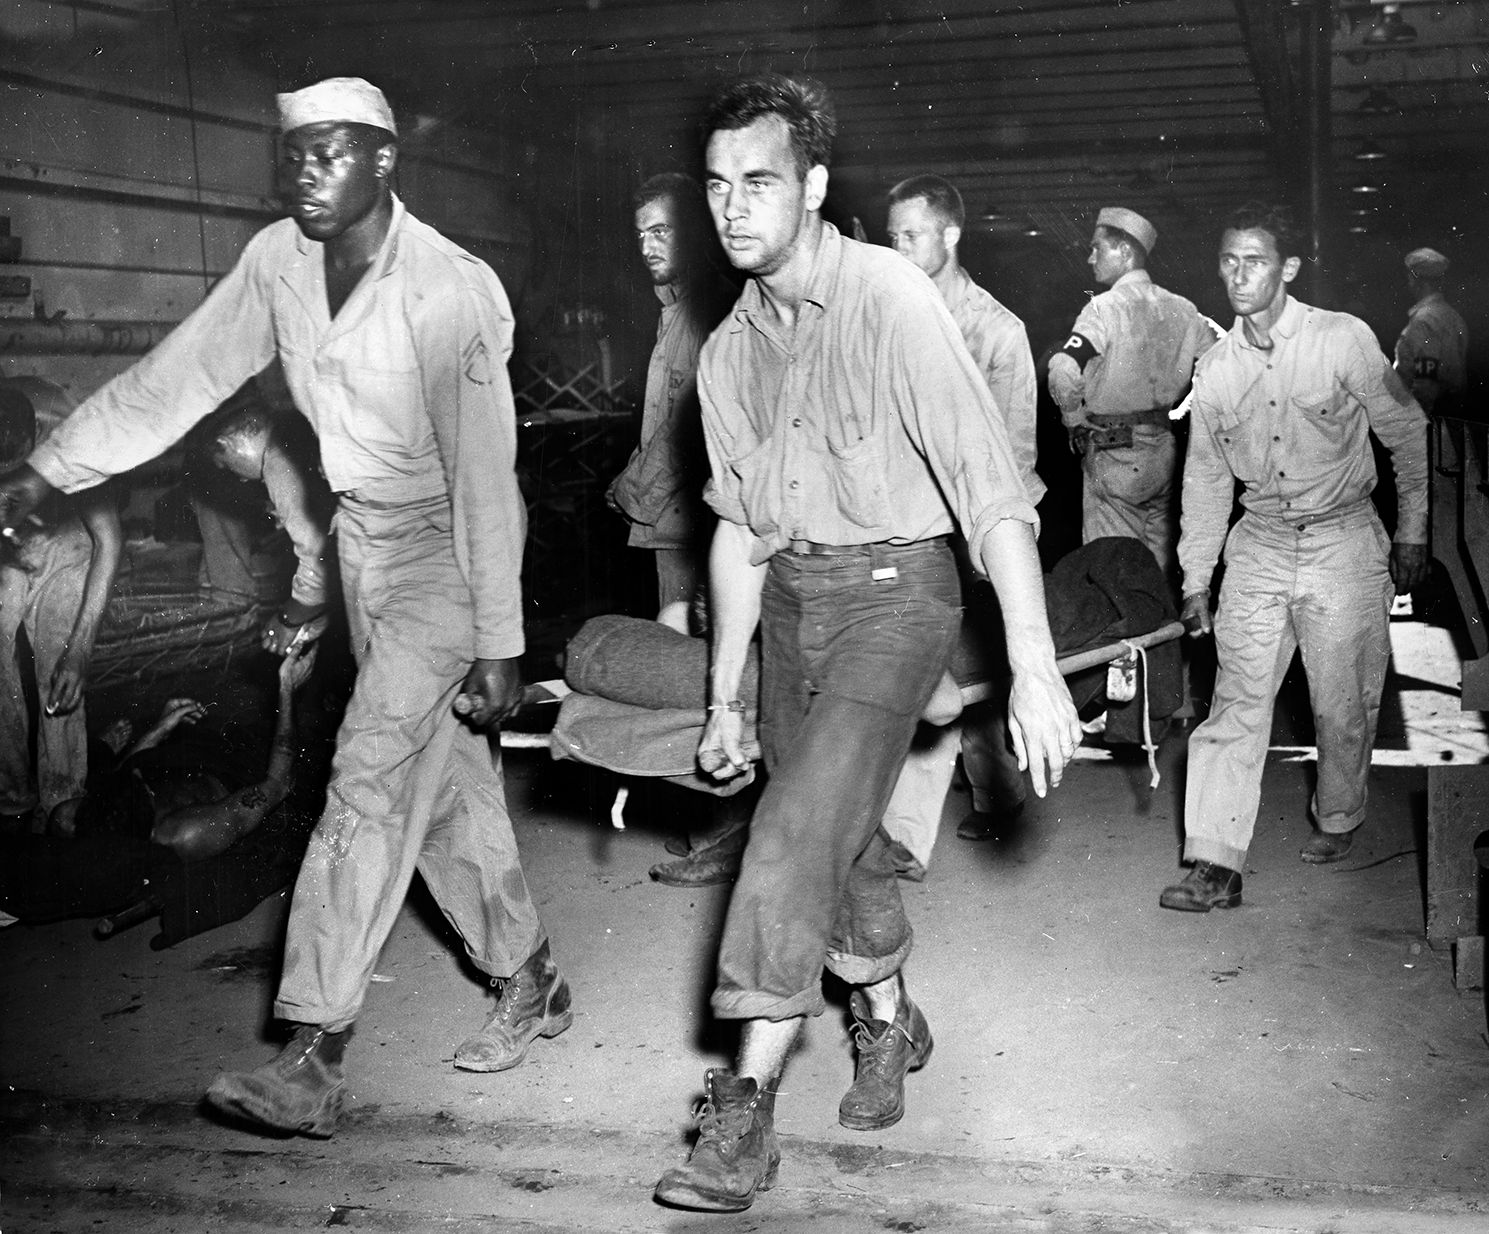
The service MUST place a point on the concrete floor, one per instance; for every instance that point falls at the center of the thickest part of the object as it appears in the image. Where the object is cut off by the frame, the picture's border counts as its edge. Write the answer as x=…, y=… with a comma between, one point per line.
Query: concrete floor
x=1300, y=1063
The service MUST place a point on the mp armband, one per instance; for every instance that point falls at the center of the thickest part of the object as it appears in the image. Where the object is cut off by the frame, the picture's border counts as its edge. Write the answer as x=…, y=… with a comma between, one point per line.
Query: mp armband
x=1078, y=347
x=735, y=705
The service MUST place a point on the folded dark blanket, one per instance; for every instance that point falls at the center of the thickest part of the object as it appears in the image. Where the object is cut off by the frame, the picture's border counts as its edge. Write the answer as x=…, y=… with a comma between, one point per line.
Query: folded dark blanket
x=644, y=663
x=1101, y=593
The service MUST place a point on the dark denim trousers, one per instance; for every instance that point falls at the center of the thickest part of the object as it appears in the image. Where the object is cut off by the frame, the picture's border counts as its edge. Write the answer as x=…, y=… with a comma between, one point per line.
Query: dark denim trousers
x=848, y=663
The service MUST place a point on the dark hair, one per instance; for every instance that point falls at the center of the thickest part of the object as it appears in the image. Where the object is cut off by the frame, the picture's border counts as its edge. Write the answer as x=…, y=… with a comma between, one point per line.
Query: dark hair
x=698, y=242
x=1117, y=236
x=1276, y=221
x=801, y=102
x=677, y=188
x=941, y=196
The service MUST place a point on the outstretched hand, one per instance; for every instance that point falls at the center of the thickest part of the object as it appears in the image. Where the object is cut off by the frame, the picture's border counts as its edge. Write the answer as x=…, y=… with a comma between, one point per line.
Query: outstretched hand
x=1043, y=725
x=296, y=666
x=491, y=692
x=177, y=711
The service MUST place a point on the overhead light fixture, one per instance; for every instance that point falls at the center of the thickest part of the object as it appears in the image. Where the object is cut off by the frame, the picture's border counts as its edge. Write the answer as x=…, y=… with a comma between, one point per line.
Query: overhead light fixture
x=1390, y=28
x=994, y=215
x=1366, y=188
x=1033, y=230
x=1369, y=152
x=1378, y=103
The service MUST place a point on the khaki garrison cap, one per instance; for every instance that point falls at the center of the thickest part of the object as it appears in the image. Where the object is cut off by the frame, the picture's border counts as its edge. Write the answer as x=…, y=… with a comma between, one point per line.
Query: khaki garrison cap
x=1130, y=221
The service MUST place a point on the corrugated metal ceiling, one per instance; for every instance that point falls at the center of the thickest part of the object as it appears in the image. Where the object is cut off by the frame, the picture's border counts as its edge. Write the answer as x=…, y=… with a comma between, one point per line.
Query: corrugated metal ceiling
x=1041, y=110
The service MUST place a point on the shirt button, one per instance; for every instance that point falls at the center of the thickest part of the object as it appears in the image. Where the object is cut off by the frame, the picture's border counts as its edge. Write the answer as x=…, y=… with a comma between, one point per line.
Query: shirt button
x=1282, y=475
x=795, y=484
x=1277, y=439
x=796, y=422
x=1272, y=403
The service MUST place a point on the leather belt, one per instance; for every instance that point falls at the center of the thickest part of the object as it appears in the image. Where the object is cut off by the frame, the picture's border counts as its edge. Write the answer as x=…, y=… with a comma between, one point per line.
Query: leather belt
x=1156, y=417
x=811, y=548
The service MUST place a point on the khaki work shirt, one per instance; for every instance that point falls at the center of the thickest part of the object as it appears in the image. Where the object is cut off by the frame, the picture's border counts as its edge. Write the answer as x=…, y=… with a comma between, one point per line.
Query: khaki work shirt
x=1432, y=352
x=406, y=387
x=661, y=488
x=1000, y=348
x=1146, y=341
x=1293, y=426
x=868, y=422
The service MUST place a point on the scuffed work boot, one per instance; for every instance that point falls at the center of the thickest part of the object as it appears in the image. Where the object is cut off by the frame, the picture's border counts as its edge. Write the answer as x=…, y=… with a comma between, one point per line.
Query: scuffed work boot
x=1324, y=847
x=1206, y=886
x=737, y=1153
x=885, y=1053
x=534, y=1002
x=300, y=1090
x=704, y=867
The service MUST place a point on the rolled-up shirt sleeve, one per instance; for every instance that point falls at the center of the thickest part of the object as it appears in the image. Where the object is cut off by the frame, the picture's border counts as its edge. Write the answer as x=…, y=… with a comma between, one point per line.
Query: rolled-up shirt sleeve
x=1398, y=421
x=464, y=339
x=150, y=406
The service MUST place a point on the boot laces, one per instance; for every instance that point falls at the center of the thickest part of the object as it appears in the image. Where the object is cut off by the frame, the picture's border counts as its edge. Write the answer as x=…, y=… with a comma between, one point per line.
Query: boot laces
x=506, y=999
x=303, y=1044
x=877, y=1053
x=723, y=1126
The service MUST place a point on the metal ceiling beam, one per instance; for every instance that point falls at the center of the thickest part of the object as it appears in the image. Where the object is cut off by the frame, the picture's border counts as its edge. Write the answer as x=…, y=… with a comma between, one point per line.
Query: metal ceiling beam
x=1265, y=37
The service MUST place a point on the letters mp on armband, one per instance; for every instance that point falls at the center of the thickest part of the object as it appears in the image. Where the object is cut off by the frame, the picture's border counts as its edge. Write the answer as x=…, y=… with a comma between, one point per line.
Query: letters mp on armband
x=1425, y=367
x=1078, y=348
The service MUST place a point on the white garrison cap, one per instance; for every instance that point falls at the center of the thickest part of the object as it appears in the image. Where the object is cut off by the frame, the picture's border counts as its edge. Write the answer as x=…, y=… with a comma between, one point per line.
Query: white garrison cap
x=339, y=100
x=1429, y=263
x=1130, y=221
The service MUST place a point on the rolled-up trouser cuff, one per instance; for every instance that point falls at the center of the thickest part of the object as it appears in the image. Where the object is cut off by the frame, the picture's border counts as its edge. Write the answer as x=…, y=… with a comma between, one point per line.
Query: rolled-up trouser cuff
x=756, y=1005
x=1337, y=824
x=867, y=969
x=1199, y=848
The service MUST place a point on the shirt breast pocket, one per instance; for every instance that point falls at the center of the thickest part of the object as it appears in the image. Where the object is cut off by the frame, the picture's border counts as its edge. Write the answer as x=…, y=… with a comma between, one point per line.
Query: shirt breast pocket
x=1236, y=438
x=1319, y=415
x=860, y=487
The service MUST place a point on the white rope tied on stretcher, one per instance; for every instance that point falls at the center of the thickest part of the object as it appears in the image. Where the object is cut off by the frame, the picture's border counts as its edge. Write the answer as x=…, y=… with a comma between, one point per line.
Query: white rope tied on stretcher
x=1141, y=653
x=618, y=807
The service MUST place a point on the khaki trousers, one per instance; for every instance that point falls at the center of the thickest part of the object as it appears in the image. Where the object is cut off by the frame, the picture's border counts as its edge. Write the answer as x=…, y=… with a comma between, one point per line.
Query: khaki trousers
x=44, y=599
x=411, y=786
x=1322, y=588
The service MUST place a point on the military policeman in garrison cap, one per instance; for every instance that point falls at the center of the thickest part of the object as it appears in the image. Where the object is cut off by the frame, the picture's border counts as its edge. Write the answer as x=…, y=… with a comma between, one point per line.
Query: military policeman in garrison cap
x=1126, y=363
x=1432, y=352
x=394, y=342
